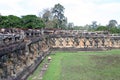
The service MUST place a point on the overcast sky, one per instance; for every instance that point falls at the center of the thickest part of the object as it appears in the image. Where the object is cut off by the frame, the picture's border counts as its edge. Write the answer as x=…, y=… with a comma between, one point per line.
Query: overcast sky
x=80, y=12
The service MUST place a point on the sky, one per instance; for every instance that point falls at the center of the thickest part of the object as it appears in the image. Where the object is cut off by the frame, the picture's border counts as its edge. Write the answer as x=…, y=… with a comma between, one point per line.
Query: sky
x=80, y=12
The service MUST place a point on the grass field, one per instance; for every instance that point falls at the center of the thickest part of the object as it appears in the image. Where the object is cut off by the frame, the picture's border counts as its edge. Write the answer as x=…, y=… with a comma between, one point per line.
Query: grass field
x=103, y=65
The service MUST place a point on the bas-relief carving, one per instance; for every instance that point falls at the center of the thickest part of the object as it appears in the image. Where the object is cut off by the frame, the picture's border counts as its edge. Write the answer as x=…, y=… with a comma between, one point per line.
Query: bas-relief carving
x=17, y=62
x=13, y=63
x=85, y=42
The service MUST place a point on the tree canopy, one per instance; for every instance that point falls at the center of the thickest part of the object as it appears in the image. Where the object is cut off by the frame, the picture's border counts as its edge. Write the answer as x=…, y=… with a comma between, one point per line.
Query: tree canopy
x=53, y=18
x=110, y=29
x=112, y=23
x=58, y=15
x=10, y=21
x=32, y=21
x=27, y=21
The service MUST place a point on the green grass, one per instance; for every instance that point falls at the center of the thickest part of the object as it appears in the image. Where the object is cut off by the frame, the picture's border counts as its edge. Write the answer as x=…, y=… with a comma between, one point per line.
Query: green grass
x=35, y=75
x=103, y=65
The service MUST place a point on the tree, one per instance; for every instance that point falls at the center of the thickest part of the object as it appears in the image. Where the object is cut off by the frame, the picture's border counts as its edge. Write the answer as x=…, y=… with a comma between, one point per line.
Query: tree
x=58, y=14
x=94, y=24
x=118, y=26
x=4, y=22
x=112, y=23
x=10, y=21
x=102, y=28
x=47, y=15
x=54, y=18
x=70, y=25
x=48, y=18
x=114, y=30
x=32, y=21
x=14, y=21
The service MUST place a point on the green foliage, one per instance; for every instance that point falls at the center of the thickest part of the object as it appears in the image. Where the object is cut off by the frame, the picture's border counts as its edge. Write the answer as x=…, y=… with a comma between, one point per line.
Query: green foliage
x=14, y=21
x=32, y=21
x=58, y=15
x=4, y=22
x=114, y=30
x=94, y=24
x=48, y=19
x=53, y=18
x=110, y=29
x=10, y=21
x=112, y=23
x=102, y=28
x=28, y=21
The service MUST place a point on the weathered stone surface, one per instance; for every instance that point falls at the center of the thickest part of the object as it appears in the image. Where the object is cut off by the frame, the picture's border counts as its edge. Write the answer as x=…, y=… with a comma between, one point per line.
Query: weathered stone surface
x=21, y=54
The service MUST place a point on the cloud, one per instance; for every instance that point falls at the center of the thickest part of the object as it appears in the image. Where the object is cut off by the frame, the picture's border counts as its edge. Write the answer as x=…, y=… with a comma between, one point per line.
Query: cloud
x=10, y=7
x=85, y=13
x=80, y=12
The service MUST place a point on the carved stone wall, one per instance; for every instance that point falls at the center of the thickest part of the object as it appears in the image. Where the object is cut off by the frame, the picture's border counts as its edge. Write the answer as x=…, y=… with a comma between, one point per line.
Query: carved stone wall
x=20, y=55
x=14, y=63
x=84, y=41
